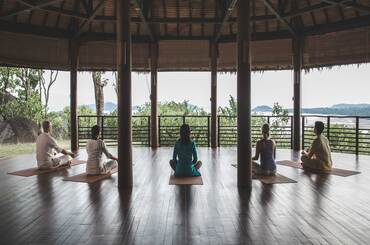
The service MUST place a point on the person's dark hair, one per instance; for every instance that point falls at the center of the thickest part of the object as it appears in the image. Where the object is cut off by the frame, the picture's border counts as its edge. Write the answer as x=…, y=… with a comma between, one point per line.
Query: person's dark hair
x=95, y=131
x=319, y=126
x=185, y=133
x=46, y=125
x=266, y=130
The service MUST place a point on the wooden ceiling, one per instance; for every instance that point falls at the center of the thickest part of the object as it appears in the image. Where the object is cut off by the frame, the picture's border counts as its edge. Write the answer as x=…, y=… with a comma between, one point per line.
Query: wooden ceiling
x=154, y=20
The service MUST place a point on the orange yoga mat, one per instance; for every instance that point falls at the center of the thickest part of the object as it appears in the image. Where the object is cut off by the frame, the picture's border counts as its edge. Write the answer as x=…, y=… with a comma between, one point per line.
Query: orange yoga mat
x=35, y=171
x=333, y=171
x=90, y=178
x=273, y=179
x=185, y=180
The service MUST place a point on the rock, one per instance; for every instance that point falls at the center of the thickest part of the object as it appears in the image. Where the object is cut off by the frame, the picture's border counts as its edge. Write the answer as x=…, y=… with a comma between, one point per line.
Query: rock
x=25, y=130
x=7, y=134
x=18, y=130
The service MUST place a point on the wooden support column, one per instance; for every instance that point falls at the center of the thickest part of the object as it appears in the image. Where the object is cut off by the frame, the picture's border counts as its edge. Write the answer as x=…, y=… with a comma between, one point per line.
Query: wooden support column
x=73, y=59
x=124, y=94
x=244, y=95
x=153, y=94
x=213, y=57
x=298, y=43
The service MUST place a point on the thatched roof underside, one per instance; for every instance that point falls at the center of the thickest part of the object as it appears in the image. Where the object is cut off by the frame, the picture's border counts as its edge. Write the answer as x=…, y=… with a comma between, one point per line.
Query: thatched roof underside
x=36, y=33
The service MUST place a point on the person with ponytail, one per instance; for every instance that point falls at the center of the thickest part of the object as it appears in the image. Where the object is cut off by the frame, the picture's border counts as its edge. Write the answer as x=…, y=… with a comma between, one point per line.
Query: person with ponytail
x=95, y=148
x=266, y=148
x=185, y=158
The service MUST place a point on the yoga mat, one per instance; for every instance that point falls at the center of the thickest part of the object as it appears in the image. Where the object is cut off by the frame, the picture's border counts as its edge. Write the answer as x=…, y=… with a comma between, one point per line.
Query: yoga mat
x=333, y=171
x=273, y=179
x=90, y=178
x=185, y=180
x=35, y=171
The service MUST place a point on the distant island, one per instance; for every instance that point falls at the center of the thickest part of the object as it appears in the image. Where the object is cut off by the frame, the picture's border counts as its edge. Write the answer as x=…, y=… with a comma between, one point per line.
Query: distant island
x=338, y=109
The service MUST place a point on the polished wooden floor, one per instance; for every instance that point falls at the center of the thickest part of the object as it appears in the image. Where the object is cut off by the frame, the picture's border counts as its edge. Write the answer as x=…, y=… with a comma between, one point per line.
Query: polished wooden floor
x=317, y=210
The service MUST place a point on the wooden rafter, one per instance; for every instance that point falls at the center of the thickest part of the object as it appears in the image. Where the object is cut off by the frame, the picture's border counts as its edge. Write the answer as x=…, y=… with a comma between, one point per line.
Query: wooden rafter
x=227, y=14
x=144, y=20
x=93, y=14
x=190, y=16
x=29, y=7
x=177, y=17
x=202, y=14
x=352, y=4
x=58, y=18
x=269, y=5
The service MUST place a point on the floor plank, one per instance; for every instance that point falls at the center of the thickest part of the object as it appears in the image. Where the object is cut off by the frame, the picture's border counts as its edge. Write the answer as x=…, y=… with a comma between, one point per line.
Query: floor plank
x=317, y=210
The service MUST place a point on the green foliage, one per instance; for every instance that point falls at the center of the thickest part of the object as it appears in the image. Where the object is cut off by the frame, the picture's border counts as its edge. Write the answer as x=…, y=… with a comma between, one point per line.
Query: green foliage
x=22, y=84
x=229, y=110
x=172, y=108
x=282, y=115
x=31, y=108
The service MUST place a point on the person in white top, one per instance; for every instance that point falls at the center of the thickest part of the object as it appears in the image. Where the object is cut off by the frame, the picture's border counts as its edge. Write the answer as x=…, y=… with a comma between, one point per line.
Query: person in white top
x=46, y=149
x=95, y=148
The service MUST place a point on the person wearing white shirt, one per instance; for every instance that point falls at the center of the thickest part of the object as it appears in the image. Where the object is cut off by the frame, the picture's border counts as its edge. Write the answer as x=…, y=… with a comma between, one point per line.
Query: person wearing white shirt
x=95, y=148
x=46, y=149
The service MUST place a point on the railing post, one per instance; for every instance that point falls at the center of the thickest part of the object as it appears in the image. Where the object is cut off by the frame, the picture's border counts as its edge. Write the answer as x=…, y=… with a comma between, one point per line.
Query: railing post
x=291, y=133
x=208, y=136
x=357, y=134
x=303, y=119
x=159, y=130
x=102, y=127
x=218, y=131
x=78, y=131
x=149, y=120
x=328, y=128
x=183, y=119
x=268, y=120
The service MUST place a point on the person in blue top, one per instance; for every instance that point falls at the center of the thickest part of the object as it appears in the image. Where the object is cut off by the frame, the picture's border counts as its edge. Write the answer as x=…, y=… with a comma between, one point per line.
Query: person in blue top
x=185, y=158
x=266, y=148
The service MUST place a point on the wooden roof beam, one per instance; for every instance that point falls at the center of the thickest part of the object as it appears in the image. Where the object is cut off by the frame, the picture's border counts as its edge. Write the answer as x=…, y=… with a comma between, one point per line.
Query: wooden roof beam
x=227, y=14
x=30, y=7
x=269, y=5
x=139, y=8
x=349, y=3
x=92, y=16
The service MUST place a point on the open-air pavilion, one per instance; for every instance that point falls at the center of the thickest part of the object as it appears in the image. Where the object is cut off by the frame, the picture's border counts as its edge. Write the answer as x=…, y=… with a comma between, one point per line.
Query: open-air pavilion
x=186, y=35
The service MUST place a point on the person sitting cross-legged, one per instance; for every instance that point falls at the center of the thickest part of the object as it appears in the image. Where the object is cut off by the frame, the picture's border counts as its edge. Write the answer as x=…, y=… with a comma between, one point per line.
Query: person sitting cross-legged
x=266, y=148
x=318, y=157
x=185, y=158
x=95, y=148
x=46, y=149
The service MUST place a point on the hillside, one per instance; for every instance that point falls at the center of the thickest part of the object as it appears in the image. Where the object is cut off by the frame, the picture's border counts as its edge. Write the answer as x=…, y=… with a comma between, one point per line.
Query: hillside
x=338, y=109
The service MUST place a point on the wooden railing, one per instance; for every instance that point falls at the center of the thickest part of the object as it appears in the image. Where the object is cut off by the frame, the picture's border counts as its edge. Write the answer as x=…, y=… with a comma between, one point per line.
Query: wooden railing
x=280, y=127
x=109, y=129
x=347, y=134
x=169, y=129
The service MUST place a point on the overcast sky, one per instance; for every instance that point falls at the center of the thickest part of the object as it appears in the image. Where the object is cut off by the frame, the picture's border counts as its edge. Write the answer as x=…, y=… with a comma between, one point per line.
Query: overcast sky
x=346, y=84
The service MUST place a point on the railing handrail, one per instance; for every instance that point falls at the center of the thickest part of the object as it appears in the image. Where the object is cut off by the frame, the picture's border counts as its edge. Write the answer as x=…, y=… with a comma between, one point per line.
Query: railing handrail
x=184, y=116
x=109, y=116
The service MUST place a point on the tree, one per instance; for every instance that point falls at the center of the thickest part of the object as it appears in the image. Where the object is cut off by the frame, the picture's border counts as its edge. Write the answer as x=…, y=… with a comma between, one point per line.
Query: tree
x=45, y=87
x=282, y=115
x=231, y=109
x=27, y=79
x=99, y=84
